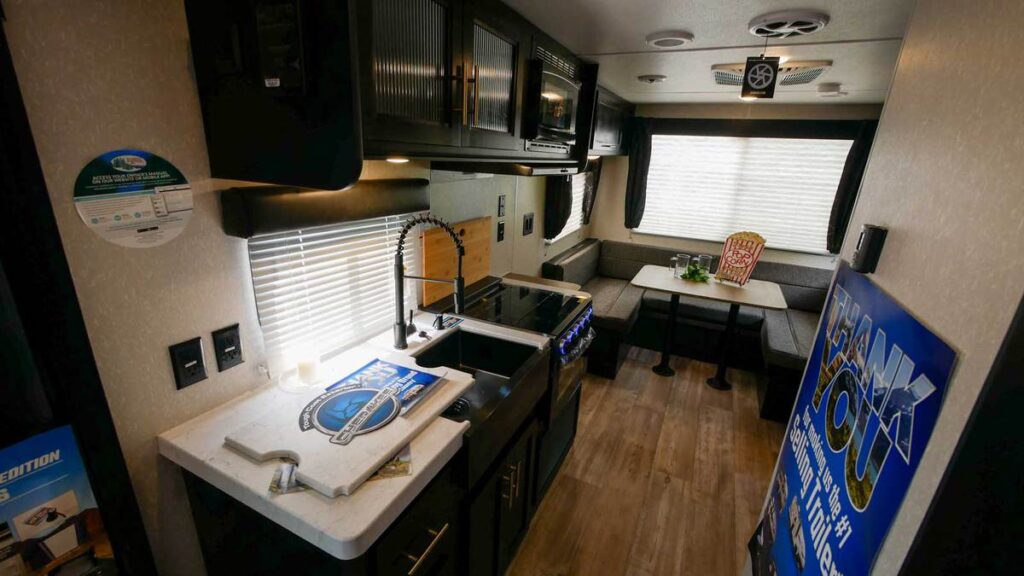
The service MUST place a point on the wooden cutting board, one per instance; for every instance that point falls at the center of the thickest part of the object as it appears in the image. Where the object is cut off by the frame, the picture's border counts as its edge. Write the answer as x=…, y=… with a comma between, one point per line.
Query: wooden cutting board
x=439, y=259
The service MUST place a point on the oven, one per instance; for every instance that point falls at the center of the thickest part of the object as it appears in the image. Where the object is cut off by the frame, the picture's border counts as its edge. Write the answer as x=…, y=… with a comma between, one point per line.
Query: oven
x=568, y=364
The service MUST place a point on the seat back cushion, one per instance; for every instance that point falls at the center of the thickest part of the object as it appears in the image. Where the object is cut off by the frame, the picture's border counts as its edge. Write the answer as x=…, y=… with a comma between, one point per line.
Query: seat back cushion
x=624, y=259
x=577, y=264
x=804, y=287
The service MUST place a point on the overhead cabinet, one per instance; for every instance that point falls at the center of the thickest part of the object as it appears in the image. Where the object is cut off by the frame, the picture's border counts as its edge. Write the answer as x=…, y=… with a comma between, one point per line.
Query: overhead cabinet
x=296, y=92
x=446, y=79
x=411, y=71
x=493, y=51
x=610, y=118
x=277, y=86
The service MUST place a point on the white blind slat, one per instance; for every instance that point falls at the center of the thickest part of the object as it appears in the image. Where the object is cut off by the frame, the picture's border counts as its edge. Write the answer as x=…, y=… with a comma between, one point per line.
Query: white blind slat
x=322, y=289
x=707, y=187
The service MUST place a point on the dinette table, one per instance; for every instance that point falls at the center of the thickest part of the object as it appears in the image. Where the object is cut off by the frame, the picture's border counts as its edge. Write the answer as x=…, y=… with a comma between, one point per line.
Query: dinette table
x=756, y=293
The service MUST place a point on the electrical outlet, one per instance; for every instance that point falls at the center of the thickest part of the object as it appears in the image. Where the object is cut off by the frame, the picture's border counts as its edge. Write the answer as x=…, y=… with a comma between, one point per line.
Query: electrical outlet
x=227, y=347
x=501, y=205
x=501, y=230
x=188, y=363
x=527, y=224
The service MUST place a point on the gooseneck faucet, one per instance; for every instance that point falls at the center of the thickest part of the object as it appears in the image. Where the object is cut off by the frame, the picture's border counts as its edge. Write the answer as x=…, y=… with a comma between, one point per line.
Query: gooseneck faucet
x=401, y=328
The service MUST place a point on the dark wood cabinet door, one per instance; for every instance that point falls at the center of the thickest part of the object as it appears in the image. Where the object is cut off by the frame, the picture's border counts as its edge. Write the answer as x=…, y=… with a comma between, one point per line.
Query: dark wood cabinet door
x=423, y=541
x=514, y=504
x=410, y=81
x=494, y=60
x=610, y=117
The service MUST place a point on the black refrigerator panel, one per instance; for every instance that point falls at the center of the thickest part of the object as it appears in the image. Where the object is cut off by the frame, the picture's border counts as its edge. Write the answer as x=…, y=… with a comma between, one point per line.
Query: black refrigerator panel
x=277, y=85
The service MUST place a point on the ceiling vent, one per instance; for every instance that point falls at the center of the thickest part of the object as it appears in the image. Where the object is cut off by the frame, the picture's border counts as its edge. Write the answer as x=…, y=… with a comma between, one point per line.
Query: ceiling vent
x=792, y=73
x=788, y=23
x=831, y=90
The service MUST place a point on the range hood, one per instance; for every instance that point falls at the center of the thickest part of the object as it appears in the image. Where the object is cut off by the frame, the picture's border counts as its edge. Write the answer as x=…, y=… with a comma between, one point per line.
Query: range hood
x=511, y=168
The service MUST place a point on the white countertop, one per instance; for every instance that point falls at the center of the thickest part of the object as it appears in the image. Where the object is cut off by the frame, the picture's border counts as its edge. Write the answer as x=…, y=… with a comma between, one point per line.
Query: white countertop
x=344, y=526
x=757, y=293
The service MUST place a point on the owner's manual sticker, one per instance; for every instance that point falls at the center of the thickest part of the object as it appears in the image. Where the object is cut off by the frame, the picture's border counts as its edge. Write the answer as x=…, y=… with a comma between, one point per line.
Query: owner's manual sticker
x=133, y=198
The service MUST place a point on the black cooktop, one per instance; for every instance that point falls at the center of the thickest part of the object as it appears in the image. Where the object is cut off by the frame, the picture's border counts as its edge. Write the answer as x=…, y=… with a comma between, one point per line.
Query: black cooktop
x=531, y=309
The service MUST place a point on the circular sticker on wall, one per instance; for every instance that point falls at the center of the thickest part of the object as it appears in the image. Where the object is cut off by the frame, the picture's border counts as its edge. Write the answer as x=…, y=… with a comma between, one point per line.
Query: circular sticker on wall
x=133, y=198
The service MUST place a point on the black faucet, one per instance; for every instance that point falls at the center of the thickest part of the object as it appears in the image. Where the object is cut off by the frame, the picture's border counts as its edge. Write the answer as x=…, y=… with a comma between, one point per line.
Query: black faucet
x=401, y=328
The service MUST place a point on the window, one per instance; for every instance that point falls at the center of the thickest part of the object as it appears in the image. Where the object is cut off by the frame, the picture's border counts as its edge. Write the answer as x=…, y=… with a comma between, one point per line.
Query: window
x=575, y=221
x=707, y=187
x=322, y=289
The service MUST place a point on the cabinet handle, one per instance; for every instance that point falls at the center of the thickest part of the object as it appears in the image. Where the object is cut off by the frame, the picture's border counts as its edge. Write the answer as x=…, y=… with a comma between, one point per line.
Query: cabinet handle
x=476, y=94
x=519, y=477
x=458, y=96
x=417, y=562
x=513, y=484
x=507, y=483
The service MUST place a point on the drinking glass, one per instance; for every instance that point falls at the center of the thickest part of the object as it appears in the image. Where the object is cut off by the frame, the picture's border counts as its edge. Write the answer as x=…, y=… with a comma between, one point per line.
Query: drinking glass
x=704, y=262
x=682, y=262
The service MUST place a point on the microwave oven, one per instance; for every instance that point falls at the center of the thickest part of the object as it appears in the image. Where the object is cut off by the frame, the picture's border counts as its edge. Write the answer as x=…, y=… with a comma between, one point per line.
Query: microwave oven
x=551, y=104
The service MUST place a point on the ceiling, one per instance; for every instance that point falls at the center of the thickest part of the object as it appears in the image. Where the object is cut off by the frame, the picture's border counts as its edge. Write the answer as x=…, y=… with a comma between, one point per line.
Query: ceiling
x=862, y=39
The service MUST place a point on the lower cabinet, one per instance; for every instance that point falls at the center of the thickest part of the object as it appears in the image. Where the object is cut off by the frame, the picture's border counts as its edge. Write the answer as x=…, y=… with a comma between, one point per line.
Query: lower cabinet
x=423, y=541
x=238, y=540
x=447, y=530
x=499, y=512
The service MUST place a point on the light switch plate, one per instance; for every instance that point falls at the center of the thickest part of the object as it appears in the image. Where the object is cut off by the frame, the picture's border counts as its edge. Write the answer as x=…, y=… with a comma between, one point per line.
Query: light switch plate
x=501, y=205
x=187, y=362
x=527, y=224
x=227, y=347
x=501, y=230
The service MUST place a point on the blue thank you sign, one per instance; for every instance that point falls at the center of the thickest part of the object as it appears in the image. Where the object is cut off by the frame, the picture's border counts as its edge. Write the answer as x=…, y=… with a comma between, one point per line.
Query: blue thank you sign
x=868, y=402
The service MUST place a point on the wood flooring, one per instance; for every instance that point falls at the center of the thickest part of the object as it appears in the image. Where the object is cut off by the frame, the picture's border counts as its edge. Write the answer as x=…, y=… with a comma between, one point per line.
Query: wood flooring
x=666, y=477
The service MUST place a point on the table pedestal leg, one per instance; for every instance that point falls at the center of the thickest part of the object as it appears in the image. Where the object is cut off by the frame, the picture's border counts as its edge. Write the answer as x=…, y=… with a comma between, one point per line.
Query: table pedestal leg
x=663, y=369
x=718, y=381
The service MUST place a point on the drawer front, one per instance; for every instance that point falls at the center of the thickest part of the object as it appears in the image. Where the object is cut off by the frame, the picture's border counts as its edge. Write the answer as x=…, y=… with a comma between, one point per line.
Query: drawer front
x=423, y=540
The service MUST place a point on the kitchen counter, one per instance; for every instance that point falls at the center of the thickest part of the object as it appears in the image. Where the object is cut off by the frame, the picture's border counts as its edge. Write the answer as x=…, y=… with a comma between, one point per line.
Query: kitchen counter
x=345, y=526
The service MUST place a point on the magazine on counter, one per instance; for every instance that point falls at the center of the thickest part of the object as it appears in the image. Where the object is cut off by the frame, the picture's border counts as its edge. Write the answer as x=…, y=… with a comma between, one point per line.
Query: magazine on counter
x=409, y=386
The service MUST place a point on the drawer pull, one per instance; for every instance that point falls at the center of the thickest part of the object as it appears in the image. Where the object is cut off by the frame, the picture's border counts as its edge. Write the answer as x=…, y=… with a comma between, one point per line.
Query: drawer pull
x=513, y=486
x=506, y=482
x=438, y=535
x=519, y=477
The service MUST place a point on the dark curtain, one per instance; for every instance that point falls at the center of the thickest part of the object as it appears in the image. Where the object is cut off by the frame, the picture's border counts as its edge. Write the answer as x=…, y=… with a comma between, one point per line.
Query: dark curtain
x=557, y=204
x=593, y=176
x=849, y=186
x=639, y=161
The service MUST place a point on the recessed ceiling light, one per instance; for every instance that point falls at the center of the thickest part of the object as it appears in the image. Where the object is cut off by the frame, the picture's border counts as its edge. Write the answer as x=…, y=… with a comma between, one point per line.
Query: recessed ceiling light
x=669, y=39
x=652, y=78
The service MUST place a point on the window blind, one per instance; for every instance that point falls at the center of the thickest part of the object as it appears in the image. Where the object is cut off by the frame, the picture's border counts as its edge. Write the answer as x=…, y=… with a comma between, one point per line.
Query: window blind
x=575, y=221
x=707, y=187
x=322, y=289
